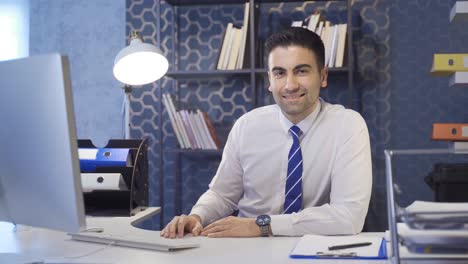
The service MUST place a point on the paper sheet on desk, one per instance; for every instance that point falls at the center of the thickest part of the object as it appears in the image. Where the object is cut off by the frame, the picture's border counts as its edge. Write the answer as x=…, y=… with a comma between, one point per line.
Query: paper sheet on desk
x=309, y=246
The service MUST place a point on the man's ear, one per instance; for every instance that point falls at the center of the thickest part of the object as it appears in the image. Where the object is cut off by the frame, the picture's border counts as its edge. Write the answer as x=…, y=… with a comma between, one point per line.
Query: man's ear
x=269, y=86
x=324, y=77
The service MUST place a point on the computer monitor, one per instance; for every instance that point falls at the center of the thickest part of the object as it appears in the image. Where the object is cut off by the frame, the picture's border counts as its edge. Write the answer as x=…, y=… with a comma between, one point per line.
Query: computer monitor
x=40, y=181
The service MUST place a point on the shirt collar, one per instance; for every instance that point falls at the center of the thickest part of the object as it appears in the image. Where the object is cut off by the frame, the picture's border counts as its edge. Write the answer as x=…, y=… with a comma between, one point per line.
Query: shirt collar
x=305, y=124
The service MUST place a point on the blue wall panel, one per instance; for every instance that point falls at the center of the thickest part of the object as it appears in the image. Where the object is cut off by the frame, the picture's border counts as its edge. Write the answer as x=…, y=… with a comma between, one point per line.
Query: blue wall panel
x=90, y=33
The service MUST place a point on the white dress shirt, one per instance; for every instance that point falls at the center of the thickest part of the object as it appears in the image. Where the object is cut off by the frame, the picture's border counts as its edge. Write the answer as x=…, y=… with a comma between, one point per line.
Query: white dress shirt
x=336, y=179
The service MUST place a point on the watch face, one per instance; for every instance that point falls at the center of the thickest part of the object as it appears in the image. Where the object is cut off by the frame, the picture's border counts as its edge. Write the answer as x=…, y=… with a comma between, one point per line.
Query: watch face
x=263, y=220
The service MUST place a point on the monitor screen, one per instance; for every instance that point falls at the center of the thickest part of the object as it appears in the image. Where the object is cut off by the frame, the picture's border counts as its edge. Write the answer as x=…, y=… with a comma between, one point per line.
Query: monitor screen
x=40, y=181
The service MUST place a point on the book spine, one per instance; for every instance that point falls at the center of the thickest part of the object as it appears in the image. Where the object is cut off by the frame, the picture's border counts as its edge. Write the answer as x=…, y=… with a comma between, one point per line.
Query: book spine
x=340, y=52
x=173, y=121
x=196, y=131
x=188, y=129
x=245, y=30
x=209, y=138
x=183, y=133
x=212, y=130
x=224, y=47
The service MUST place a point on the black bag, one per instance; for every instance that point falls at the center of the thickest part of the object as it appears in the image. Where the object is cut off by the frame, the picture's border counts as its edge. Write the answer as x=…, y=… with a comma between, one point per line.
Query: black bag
x=449, y=182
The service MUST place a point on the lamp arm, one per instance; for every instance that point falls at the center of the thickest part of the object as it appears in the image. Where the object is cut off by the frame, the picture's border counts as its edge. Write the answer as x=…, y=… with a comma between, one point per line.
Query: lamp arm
x=128, y=91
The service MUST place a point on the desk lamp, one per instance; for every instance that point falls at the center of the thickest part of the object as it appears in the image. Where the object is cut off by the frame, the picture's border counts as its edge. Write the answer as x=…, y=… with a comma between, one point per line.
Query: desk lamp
x=137, y=64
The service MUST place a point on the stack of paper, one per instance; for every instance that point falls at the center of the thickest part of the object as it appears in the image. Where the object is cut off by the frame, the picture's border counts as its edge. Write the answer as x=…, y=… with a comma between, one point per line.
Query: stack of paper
x=435, y=228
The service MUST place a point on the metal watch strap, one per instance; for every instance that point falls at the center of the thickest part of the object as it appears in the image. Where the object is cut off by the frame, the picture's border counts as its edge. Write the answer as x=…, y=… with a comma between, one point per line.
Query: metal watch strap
x=265, y=230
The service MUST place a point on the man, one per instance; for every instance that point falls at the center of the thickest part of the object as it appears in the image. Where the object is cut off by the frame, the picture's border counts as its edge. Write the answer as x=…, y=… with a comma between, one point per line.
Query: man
x=302, y=166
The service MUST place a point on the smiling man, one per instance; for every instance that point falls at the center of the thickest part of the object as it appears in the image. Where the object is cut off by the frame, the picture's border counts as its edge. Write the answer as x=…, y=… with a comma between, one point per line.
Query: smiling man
x=301, y=166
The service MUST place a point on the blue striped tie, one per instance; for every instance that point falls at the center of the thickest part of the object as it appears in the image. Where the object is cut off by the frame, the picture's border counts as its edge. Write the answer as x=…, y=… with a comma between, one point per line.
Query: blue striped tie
x=293, y=196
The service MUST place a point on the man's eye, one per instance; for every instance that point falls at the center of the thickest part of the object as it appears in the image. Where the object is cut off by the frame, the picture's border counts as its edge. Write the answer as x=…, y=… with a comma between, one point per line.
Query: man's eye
x=303, y=71
x=278, y=73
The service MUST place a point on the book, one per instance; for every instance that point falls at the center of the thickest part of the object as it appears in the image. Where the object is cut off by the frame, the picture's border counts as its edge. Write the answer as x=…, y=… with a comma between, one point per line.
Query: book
x=327, y=38
x=446, y=64
x=171, y=115
x=313, y=21
x=333, y=46
x=234, y=52
x=227, y=53
x=178, y=121
x=206, y=131
x=340, y=50
x=188, y=128
x=318, y=31
x=316, y=246
x=212, y=130
x=450, y=131
x=205, y=144
x=459, y=11
x=194, y=128
x=243, y=42
x=224, y=47
x=458, y=79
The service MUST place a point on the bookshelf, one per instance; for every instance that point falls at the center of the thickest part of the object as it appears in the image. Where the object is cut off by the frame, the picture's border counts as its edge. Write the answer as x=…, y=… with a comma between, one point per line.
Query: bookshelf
x=250, y=81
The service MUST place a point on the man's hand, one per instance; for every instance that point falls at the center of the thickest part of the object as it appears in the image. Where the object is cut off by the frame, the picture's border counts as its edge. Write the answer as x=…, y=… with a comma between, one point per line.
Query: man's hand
x=232, y=227
x=180, y=224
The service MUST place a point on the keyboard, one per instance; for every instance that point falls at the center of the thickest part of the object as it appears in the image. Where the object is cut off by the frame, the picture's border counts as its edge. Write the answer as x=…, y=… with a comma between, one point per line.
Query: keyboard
x=153, y=242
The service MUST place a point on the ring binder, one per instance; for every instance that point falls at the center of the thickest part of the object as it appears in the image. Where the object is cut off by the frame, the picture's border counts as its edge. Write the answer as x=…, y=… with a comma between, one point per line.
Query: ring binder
x=134, y=172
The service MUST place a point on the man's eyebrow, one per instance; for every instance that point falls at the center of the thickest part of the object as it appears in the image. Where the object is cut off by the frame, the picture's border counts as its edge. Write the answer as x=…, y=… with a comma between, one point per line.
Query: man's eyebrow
x=277, y=69
x=302, y=66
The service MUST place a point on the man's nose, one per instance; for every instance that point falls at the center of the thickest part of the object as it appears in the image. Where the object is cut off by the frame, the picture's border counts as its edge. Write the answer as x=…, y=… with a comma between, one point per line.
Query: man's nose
x=292, y=82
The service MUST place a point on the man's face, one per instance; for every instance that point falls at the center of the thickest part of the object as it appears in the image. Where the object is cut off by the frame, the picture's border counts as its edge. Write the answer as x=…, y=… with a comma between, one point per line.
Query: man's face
x=295, y=80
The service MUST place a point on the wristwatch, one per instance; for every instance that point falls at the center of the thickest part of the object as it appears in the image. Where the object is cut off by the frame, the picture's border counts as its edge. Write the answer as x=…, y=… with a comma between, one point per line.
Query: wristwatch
x=263, y=221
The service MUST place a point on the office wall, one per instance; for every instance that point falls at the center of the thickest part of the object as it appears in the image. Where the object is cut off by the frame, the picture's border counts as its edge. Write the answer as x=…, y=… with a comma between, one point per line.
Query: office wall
x=91, y=33
x=418, y=30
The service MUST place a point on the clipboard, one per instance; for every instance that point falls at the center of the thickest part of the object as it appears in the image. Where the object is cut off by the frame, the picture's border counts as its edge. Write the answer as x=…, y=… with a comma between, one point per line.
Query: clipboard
x=316, y=247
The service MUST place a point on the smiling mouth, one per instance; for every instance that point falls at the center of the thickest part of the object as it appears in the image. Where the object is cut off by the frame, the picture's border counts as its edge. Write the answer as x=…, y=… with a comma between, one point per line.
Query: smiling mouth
x=293, y=96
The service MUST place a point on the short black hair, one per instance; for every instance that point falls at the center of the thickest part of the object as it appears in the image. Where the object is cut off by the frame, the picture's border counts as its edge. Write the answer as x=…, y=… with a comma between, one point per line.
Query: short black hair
x=297, y=36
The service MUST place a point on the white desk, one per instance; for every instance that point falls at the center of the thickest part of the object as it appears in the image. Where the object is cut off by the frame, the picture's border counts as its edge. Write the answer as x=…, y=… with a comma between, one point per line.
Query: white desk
x=57, y=247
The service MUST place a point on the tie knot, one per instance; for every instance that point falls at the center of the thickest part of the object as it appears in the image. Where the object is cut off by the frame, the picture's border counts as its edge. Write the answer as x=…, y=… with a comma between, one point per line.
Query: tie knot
x=295, y=131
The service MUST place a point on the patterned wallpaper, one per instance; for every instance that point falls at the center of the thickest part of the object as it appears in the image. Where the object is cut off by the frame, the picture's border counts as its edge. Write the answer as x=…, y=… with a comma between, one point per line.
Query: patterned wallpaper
x=90, y=33
x=393, y=46
x=420, y=29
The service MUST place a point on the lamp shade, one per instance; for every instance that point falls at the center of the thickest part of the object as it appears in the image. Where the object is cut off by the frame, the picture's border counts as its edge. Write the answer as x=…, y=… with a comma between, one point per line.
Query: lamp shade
x=139, y=63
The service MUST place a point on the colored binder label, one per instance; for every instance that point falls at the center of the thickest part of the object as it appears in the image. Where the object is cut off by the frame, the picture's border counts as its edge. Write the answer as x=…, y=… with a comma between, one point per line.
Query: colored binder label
x=446, y=64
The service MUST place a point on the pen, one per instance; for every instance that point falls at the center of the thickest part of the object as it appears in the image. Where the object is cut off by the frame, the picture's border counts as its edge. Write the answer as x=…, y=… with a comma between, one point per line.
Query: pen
x=337, y=247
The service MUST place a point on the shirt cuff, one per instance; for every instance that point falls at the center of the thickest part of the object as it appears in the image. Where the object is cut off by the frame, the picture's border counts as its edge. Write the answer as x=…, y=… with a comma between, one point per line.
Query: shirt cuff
x=199, y=213
x=281, y=225
x=202, y=214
